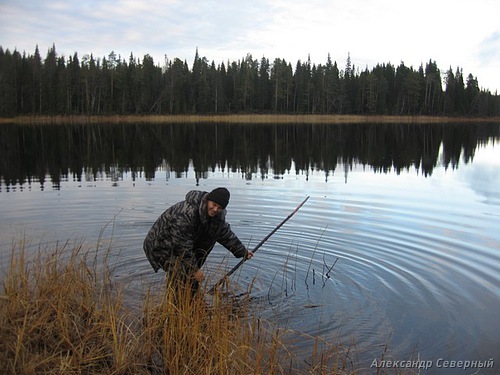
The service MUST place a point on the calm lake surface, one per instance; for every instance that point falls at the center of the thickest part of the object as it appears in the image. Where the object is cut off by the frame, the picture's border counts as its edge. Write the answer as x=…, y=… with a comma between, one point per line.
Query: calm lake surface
x=398, y=244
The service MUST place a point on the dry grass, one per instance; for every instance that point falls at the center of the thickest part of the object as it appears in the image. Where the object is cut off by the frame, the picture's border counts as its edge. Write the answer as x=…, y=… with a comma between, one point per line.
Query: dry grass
x=244, y=119
x=61, y=314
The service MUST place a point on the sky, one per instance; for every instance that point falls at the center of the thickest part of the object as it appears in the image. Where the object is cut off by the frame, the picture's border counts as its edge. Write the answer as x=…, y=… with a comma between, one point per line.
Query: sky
x=453, y=33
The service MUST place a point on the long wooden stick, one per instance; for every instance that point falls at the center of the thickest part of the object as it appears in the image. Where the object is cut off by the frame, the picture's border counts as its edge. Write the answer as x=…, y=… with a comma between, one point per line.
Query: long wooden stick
x=229, y=273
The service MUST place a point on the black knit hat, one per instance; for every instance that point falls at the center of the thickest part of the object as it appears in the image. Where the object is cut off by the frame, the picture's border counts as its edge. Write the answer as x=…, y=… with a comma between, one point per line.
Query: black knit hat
x=219, y=196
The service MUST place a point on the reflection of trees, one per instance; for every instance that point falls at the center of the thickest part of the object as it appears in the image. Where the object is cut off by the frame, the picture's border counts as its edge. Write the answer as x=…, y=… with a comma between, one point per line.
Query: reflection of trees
x=83, y=152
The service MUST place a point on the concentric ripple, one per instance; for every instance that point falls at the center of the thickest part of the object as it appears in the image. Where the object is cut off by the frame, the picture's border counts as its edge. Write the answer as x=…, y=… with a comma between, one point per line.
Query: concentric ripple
x=404, y=260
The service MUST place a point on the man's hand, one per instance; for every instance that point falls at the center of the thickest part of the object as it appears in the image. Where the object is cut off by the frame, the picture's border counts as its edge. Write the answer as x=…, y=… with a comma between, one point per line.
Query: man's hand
x=249, y=254
x=199, y=276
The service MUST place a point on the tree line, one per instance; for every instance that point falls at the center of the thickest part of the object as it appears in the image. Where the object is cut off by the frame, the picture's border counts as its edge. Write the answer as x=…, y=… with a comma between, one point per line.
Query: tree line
x=59, y=85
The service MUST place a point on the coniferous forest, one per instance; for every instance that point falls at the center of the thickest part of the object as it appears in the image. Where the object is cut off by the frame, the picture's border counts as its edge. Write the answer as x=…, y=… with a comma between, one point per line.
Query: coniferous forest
x=60, y=85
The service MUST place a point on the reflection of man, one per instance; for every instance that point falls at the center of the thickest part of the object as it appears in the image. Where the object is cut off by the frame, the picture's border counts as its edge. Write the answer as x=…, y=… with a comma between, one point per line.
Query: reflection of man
x=186, y=232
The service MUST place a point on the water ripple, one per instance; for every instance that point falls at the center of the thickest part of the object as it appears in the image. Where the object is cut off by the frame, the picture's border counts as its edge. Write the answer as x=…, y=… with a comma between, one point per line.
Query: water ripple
x=384, y=256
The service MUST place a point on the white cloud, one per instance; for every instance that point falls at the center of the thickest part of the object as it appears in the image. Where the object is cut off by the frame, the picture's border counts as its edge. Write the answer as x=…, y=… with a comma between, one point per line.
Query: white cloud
x=489, y=49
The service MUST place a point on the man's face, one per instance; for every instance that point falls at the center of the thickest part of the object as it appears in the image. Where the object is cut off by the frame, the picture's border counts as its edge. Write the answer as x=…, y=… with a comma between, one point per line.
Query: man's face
x=213, y=208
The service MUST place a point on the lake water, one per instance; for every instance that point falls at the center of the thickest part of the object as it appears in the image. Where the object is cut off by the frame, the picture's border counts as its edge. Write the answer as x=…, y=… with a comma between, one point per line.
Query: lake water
x=397, y=246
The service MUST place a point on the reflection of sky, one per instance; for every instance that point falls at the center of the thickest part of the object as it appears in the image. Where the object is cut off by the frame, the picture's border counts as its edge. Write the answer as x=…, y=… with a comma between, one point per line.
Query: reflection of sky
x=487, y=154
x=483, y=177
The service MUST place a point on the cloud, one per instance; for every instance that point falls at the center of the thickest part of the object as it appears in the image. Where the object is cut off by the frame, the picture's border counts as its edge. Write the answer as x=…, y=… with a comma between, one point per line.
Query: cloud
x=489, y=49
x=463, y=34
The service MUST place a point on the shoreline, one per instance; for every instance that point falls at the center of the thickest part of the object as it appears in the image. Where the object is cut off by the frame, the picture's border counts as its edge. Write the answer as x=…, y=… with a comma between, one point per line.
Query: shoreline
x=243, y=119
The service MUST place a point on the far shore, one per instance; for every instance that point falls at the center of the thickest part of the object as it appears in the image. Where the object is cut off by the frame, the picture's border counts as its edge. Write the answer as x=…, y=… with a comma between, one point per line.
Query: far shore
x=243, y=119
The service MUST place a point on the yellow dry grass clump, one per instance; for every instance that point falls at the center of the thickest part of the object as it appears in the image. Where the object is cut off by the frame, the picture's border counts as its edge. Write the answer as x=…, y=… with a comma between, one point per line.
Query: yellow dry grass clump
x=61, y=314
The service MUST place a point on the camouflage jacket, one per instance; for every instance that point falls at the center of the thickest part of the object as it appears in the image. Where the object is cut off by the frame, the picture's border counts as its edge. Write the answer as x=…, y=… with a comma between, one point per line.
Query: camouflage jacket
x=185, y=232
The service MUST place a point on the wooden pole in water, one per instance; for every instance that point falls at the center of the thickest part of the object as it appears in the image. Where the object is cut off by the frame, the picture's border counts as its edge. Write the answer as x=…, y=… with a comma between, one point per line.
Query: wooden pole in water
x=229, y=273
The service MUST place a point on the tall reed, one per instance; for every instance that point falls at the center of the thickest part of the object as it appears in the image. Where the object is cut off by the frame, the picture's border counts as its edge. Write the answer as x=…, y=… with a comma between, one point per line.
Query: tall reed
x=60, y=313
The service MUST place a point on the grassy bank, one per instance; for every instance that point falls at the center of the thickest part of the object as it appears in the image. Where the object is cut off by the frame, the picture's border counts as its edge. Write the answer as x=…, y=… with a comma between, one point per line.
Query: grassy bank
x=244, y=119
x=60, y=313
